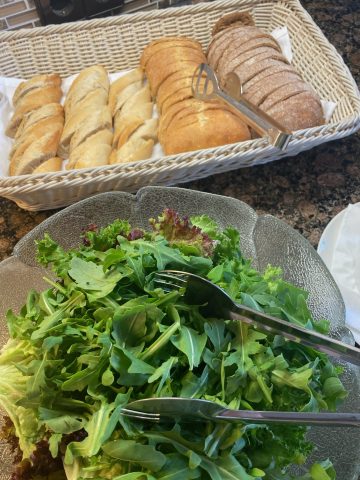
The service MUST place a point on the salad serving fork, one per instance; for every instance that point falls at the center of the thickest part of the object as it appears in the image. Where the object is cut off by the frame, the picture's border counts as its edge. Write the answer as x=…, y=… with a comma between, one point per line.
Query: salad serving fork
x=217, y=303
x=195, y=409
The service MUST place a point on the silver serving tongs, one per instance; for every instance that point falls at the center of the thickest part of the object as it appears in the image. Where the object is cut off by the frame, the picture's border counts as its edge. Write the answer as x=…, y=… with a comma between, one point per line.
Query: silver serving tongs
x=195, y=409
x=253, y=116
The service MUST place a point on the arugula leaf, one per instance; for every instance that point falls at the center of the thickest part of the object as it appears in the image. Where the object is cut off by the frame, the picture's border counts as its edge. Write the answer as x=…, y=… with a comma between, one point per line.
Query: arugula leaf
x=91, y=277
x=190, y=343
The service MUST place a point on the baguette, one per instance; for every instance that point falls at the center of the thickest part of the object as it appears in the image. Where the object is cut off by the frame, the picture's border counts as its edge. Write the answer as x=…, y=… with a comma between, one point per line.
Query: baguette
x=135, y=131
x=38, y=151
x=88, y=80
x=93, y=152
x=52, y=165
x=31, y=100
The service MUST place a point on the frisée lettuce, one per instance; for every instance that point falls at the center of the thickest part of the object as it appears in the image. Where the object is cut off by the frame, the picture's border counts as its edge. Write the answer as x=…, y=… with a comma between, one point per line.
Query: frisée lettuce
x=105, y=334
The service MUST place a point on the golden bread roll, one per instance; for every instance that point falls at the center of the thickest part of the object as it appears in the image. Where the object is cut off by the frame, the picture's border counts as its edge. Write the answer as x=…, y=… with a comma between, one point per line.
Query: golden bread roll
x=268, y=81
x=100, y=120
x=134, y=77
x=30, y=99
x=37, y=137
x=45, y=112
x=52, y=165
x=135, y=131
x=38, y=150
x=39, y=81
x=133, y=151
x=88, y=80
x=93, y=152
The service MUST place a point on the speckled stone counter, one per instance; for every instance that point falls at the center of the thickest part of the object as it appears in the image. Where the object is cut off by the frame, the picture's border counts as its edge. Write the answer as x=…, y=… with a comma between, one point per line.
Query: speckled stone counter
x=305, y=191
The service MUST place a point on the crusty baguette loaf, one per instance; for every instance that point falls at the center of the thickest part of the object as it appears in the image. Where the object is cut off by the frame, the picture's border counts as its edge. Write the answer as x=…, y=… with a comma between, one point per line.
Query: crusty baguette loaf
x=39, y=81
x=93, y=152
x=135, y=131
x=87, y=133
x=37, y=138
x=52, y=165
x=186, y=123
x=31, y=95
x=38, y=150
x=268, y=81
x=90, y=79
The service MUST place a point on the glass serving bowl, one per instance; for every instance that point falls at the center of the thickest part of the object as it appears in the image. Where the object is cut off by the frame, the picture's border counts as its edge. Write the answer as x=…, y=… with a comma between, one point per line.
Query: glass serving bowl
x=265, y=239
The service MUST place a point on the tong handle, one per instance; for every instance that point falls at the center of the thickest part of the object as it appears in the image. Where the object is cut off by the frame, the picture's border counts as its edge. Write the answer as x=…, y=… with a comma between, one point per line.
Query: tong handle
x=257, y=119
x=295, y=333
x=295, y=418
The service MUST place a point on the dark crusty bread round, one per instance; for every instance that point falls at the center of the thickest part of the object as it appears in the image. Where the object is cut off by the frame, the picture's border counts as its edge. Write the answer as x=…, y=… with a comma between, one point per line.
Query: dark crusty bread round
x=218, y=47
x=267, y=79
x=284, y=92
x=298, y=112
x=273, y=82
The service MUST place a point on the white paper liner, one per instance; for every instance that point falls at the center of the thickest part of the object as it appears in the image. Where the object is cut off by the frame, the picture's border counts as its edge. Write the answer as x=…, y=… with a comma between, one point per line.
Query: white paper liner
x=8, y=86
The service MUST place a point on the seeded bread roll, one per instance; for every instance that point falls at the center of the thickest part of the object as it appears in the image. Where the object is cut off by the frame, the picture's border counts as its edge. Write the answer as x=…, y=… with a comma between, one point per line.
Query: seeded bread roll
x=186, y=123
x=267, y=79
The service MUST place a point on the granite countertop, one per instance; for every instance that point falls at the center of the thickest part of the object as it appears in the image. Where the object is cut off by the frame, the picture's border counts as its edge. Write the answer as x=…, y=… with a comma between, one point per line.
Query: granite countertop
x=305, y=191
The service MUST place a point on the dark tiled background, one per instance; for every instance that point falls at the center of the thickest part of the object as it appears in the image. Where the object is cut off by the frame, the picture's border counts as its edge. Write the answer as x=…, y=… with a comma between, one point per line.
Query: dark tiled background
x=306, y=191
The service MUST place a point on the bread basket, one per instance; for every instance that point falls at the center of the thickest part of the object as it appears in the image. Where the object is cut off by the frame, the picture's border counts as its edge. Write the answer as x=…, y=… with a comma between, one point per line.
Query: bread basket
x=117, y=42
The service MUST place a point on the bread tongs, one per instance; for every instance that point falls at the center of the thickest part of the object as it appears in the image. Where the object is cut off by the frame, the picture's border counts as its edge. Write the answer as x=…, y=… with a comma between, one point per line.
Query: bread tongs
x=205, y=86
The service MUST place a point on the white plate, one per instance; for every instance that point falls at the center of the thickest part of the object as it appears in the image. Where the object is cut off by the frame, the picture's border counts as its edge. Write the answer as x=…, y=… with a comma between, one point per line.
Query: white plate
x=326, y=250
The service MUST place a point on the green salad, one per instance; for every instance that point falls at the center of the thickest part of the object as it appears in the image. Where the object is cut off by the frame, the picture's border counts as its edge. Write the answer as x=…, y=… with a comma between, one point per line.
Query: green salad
x=104, y=334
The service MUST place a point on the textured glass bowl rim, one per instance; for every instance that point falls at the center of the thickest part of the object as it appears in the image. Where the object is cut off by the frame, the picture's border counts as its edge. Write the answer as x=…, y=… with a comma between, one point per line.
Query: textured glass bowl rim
x=24, y=249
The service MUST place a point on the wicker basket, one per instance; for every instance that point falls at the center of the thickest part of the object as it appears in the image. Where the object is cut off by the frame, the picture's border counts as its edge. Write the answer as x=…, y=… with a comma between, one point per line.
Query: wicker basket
x=117, y=43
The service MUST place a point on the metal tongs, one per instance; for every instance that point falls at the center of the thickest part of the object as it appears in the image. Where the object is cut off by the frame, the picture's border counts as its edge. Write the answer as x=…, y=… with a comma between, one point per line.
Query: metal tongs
x=253, y=116
x=195, y=409
x=217, y=303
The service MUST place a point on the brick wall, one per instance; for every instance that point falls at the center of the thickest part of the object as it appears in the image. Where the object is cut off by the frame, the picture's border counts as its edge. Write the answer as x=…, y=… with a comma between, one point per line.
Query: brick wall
x=16, y=14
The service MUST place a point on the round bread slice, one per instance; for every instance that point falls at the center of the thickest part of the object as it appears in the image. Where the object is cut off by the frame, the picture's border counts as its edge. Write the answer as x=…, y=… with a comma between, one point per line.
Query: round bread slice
x=159, y=76
x=284, y=92
x=238, y=48
x=259, y=92
x=220, y=41
x=272, y=70
x=193, y=107
x=240, y=36
x=161, y=69
x=181, y=108
x=298, y=112
x=231, y=66
x=168, y=50
x=179, y=96
x=165, y=42
x=211, y=128
x=167, y=85
x=171, y=88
